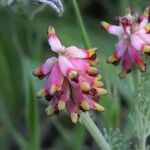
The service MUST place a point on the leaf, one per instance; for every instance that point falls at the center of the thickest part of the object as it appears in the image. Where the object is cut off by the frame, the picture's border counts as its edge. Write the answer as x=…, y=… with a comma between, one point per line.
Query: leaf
x=31, y=108
x=79, y=137
x=6, y=122
x=32, y=117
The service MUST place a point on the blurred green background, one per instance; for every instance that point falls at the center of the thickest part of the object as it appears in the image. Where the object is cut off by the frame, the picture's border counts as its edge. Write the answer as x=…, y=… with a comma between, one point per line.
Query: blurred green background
x=23, y=46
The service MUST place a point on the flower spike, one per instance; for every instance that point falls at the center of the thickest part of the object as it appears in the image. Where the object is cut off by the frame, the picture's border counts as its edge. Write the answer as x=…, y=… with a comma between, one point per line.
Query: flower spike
x=73, y=81
x=133, y=32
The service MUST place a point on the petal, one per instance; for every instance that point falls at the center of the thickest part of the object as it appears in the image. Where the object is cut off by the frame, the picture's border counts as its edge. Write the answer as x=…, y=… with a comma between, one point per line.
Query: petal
x=80, y=64
x=47, y=66
x=136, y=57
x=93, y=104
x=53, y=40
x=113, y=29
x=143, y=23
x=75, y=52
x=65, y=95
x=118, y=53
x=145, y=38
x=126, y=65
x=79, y=99
x=141, y=31
x=52, y=108
x=57, y=77
x=121, y=48
x=67, y=68
x=72, y=108
x=66, y=90
x=85, y=83
x=137, y=42
x=77, y=95
x=55, y=80
x=47, y=84
x=92, y=71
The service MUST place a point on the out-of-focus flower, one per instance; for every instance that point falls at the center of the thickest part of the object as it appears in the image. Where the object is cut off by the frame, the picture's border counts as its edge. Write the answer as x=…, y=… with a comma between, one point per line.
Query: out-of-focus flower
x=73, y=81
x=133, y=32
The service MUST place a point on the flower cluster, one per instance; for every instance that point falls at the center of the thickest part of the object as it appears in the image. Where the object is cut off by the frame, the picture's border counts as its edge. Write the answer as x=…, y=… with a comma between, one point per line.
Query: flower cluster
x=133, y=32
x=73, y=81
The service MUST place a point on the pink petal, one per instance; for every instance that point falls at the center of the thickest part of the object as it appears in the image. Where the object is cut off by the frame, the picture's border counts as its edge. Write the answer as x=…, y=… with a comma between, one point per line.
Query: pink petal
x=77, y=95
x=90, y=101
x=137, y=42
x=71, y=106
x=57, y=77
x=136, y=57
x=65, y=65
x=126, y=62
x=113, y=29
x=47, y=84
x=66, y=90
x=80, y=64
x=54, y=102
x=86, y=78
x=47, y=66
x=141, y=31
x=143, y=23
x=55, y=80
x=126, y=65
x=53, y=40
x=145, y=38
x=75, y=52
x=120, y=48
x=79, y=99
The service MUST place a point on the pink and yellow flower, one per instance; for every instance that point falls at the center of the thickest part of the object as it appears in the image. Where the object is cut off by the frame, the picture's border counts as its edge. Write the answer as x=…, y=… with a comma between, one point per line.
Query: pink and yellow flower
x=133, y=32
x=73, y=81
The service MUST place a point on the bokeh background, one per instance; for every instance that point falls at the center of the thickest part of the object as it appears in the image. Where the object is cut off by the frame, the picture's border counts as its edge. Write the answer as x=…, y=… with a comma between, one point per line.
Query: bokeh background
x=23, y=46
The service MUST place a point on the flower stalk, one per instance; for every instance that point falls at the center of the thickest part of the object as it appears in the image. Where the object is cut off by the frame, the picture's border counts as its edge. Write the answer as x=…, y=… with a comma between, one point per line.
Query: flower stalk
x=81, y=25
x=88, y=123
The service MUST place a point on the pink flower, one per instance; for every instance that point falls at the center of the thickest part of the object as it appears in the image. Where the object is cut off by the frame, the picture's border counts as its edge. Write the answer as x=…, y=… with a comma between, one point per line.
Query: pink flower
x=73, y=81
x=133, y=32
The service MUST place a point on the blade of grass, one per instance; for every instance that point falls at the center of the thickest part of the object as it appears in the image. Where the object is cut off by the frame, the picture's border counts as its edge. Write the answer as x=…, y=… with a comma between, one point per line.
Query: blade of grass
x=79, y=137
x=32, y=119
x=31, y=108
x=6, y=121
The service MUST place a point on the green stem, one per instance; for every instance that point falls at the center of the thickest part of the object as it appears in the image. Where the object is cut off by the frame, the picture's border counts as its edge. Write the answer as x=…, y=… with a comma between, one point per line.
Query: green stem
x=142, y=145
x=88, y=123
x=81, y=25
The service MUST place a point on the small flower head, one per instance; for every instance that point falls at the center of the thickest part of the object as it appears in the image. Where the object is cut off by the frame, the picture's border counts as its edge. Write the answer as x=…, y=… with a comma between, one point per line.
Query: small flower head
x=133, y=32
x=73, y=81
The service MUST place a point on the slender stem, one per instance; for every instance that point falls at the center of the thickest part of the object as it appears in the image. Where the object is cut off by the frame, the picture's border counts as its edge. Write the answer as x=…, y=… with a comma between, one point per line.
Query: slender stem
x=88, y=123
x=142, y=145
x=81, y=25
